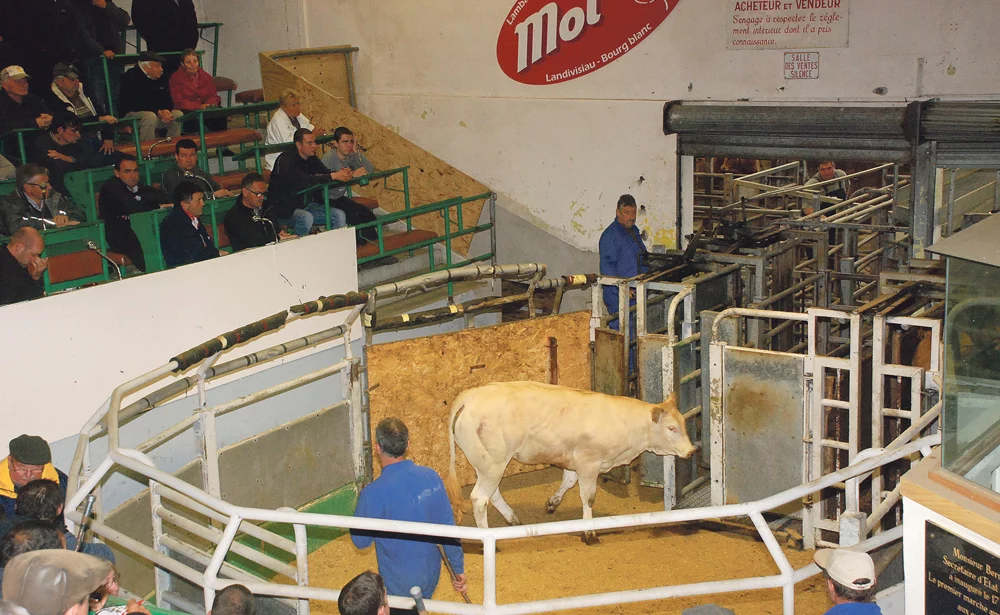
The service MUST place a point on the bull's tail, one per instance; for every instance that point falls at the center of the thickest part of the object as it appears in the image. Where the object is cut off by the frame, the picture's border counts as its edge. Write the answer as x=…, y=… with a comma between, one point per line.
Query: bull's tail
x=451, y=484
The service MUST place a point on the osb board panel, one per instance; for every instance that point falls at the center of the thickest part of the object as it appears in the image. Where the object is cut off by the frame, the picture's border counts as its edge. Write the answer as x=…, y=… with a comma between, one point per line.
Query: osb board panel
x=417, y=380
x=327, y=71
x=431, y=179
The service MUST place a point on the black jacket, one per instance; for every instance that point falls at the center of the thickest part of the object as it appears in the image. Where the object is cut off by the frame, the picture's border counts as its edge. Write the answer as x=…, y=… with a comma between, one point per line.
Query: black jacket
x=166, y=25
x=243, y=231
x=20, y=114
x=140, y=93
x=117, y=203
x=16, y=284
x=290, y=175
x=85, y=157
x=183, y=244
x=99, y=30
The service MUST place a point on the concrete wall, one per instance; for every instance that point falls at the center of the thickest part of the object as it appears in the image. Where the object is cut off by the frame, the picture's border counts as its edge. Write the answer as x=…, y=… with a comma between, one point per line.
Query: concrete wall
x=560, y=154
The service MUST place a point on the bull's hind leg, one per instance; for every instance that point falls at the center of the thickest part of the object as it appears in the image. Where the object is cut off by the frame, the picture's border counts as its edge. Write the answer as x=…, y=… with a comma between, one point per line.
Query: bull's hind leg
x=504, y=508
x=569, y=479
x=483, y=490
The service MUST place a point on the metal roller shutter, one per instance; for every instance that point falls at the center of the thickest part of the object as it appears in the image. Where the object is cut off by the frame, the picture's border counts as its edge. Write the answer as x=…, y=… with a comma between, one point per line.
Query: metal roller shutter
x=967, y=133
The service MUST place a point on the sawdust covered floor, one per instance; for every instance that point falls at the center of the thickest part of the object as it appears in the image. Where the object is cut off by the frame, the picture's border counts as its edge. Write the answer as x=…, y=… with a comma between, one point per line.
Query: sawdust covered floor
x=556, y=566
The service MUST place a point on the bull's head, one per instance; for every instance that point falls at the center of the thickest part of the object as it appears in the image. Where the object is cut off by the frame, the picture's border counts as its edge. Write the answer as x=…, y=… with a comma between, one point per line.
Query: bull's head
x=668, y=435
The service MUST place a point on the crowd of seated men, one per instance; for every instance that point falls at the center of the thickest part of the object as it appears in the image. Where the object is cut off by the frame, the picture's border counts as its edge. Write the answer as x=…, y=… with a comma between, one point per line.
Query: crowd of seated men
x=55, y=91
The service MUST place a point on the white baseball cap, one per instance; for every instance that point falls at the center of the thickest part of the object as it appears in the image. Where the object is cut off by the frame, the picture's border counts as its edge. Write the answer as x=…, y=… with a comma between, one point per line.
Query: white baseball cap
x=12, y=72
x=852, y=569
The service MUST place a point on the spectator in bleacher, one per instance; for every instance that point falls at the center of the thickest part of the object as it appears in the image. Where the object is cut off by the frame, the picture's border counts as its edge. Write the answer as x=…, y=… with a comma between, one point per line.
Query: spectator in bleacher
x=49, y=582
x=346, y=163
x=120, y=197
x=183, y=237
x=18, y=107
x=187, y=169
x=7, y=169
x=21, y=269
x=63, y=150
x=28, y=536
x=30, y=457
x=101, y=25
x=34, y=203
x=295, y=170
x=365, y=594
x=166, y=25
x=245, y=223
x=285, y=121
x=191, y=89
x=145, y=94
x=67, y=95
x=42, y=500
x=233, y=599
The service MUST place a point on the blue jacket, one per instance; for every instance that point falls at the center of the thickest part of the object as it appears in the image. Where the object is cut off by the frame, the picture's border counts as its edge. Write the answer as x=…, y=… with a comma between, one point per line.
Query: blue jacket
x=408, y=492
x=183, y=244
x=620, y=249
x=855, y=608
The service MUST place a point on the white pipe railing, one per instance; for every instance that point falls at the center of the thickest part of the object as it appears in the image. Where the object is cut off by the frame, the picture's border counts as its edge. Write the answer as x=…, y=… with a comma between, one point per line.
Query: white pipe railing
x=489, y=537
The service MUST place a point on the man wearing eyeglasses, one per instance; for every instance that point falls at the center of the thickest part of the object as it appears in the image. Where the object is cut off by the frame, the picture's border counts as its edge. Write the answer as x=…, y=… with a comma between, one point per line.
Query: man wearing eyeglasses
x=246, y=225
x=30, y=458
x=33, y=203
x=63, y=150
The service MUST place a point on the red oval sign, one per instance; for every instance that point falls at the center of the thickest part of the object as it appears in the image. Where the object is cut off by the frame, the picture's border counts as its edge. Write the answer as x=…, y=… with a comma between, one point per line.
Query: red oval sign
x=551, y=41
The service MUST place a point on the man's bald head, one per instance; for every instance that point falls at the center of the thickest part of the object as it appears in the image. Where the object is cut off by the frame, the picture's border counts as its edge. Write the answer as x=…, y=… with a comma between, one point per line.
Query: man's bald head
x=26, y=244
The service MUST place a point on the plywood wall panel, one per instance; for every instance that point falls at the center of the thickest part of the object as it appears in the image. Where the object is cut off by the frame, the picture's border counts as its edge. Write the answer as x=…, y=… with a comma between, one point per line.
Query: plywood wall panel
x=417, y=380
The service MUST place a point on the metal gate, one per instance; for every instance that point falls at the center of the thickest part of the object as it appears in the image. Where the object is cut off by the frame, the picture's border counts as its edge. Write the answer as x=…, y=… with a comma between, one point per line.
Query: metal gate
x=807, y=405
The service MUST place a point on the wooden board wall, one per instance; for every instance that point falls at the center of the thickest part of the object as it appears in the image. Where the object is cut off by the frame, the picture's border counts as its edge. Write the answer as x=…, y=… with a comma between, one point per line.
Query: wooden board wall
x=417, y=380
x=431, y=179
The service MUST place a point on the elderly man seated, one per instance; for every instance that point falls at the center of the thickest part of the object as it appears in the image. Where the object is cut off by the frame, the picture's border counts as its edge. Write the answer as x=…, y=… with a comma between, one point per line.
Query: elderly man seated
x=33, y=203
x=18, y=107
x=145, y=94
x=22, y=266
x=30, y=458
x=285, y=121
x=67, y=95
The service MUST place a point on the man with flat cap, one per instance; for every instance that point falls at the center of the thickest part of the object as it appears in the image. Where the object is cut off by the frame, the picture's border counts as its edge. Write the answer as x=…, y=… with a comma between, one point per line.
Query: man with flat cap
x=850, y=581
x=30, y=458
x=145, y=94
x=53, y=581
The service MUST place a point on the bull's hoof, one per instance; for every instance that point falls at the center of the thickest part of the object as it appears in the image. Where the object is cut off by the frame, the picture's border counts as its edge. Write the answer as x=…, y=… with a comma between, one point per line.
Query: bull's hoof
x=550, y=507
x=590, y=538
x=513, y=520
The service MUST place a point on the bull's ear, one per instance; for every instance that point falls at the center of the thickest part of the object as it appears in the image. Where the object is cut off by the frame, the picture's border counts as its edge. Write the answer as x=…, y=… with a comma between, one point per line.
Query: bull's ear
x=657, y=413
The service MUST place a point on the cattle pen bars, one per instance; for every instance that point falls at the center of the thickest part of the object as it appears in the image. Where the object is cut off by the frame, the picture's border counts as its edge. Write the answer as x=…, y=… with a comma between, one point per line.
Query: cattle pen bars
x=163, y=483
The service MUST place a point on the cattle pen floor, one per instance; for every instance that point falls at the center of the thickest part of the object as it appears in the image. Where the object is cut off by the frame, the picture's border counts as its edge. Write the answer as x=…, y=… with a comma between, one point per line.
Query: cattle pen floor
x=555, y=566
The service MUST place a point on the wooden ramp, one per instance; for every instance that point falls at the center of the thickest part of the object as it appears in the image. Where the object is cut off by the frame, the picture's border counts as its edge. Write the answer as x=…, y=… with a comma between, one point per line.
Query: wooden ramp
x=323, y=77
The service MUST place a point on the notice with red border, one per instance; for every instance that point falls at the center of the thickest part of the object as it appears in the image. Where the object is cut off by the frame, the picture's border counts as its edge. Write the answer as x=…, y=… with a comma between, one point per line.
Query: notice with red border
x=784, y=24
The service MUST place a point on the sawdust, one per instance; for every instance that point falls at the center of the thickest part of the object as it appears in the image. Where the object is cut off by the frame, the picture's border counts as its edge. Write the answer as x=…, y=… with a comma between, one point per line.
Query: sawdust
x=554, y=566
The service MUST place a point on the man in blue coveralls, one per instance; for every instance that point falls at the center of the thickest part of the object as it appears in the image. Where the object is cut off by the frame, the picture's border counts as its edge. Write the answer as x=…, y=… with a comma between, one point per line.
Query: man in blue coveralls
x=406, y=492
x=620, y=247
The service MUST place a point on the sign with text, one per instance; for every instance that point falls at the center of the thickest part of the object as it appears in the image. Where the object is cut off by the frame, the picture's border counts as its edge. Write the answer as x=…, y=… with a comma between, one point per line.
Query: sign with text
x=801, y=65
x=784, y=24
x=961, y=577
x=542, y=42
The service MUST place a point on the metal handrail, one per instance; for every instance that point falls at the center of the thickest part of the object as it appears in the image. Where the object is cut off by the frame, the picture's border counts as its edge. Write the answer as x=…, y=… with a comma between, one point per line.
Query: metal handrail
x=489, y=537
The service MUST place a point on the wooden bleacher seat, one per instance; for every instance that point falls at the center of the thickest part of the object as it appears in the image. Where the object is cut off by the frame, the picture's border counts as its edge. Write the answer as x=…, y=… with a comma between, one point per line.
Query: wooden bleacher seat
x=225, y=84
x=396, y=241
x=74, y=266
x=225, y=138
x=368, y=202
x=250, y=96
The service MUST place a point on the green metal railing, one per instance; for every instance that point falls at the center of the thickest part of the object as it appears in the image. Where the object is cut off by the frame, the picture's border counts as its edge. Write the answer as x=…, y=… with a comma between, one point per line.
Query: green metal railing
x=364, y=180
x=203, y=114
x=69, y=240
x=213, y=25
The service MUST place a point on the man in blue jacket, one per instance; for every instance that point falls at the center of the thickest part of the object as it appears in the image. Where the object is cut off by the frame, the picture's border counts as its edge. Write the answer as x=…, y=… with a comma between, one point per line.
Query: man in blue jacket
x=620, y=247
x=850, y=581
x=183, y=237
x=406, y=492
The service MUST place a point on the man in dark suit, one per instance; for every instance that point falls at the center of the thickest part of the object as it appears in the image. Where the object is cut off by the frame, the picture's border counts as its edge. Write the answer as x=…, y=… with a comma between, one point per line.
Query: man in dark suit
x=122, y=196
x=183, y=237
x=246, y=225
x=166, y=25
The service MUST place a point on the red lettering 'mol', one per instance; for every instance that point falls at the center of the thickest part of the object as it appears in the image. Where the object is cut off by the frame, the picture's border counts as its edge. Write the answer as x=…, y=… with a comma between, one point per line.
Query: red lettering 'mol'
x=548, y=25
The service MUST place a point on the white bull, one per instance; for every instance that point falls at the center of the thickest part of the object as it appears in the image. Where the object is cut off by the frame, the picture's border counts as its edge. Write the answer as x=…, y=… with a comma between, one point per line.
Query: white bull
x=582, y=432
